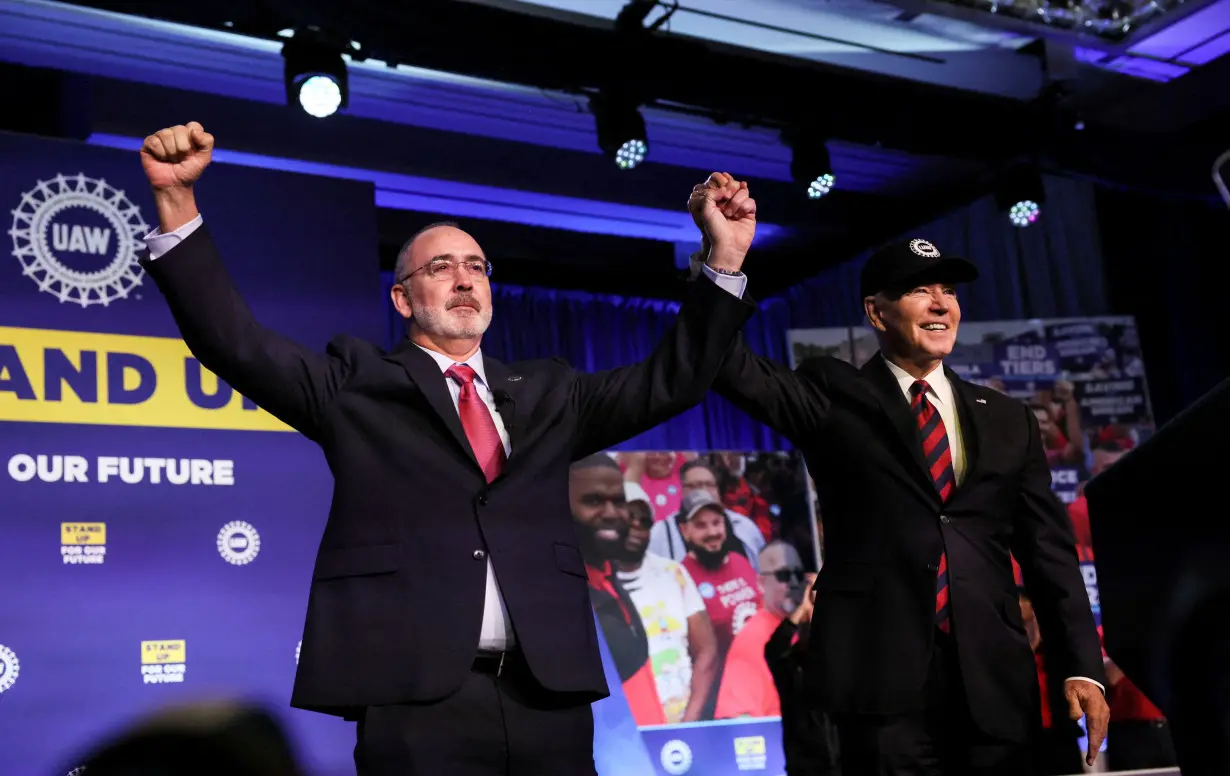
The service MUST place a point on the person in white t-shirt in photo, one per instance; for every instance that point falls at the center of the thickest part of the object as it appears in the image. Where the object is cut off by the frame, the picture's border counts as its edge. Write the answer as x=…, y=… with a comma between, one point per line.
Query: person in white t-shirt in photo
x=682, y=645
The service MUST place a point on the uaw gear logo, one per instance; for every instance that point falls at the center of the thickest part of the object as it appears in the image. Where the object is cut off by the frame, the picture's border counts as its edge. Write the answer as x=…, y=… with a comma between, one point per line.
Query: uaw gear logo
x=238, y=543
x=77, y=238
x=676, y=757
x=924, y=249
x=9, y=668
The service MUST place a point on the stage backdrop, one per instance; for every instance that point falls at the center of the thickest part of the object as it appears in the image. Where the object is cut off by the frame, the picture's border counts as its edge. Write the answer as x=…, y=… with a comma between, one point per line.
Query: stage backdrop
x=159, y=531
x=1083, y=377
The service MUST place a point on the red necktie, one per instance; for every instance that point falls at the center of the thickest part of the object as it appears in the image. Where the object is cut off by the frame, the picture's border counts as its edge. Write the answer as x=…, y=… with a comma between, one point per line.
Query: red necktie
x=478, y=424
x=939, y=464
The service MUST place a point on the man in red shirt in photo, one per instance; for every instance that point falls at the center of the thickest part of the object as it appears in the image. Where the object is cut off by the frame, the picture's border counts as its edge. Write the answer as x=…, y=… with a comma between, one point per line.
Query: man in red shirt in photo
x=726, y=580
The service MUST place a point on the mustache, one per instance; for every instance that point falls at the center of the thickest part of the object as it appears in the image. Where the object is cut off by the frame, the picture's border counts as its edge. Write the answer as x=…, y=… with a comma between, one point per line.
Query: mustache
x=462, y=299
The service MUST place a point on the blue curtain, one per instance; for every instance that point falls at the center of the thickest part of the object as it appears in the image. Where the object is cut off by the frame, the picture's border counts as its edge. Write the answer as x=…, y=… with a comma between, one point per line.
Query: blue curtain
x=599, y=331
x=1053, y=268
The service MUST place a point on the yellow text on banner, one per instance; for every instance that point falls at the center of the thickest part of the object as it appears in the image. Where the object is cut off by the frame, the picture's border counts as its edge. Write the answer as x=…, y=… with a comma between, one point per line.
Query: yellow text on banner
x=53, y=376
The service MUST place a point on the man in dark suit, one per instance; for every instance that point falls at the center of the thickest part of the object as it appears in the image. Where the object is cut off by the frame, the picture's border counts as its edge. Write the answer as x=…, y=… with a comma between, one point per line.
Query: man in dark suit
x=449, y=610
x=926, y=483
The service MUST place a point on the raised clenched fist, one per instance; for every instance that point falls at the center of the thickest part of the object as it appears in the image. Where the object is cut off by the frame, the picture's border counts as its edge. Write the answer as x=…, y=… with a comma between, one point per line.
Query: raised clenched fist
x=176, y=156
x=725, y=212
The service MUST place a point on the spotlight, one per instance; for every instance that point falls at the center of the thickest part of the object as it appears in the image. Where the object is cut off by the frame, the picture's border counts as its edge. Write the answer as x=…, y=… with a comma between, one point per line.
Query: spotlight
x=810, y=166
x=315, y=74
x=1020, y=193
x=1024, y=213
x=621, y=129
x=821, y=186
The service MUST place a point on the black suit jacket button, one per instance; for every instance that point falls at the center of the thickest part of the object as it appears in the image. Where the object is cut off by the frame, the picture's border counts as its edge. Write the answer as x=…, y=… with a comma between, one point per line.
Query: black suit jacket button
x=482, y=500
x=945, y=519
x=933, y=568
x=479, y=555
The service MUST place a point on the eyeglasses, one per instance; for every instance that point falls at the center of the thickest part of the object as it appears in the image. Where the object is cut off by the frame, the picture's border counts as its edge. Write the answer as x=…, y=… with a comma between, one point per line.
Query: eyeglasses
x=786, y=576
x=443, y=269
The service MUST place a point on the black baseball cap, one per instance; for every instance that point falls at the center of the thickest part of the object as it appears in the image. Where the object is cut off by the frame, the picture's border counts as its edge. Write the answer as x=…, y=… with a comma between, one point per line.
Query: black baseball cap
x=899, y=264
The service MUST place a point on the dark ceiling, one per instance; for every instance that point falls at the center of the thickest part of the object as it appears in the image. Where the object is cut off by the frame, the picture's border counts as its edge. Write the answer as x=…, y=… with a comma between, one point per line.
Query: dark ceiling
x=1136, y=133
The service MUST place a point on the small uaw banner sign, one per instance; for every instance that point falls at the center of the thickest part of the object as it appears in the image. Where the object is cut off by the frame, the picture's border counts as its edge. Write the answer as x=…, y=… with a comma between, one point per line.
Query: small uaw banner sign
x=159, y=528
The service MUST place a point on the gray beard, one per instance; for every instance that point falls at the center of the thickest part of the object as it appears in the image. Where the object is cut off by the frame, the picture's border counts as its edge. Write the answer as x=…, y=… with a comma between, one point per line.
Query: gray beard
x=437, y=321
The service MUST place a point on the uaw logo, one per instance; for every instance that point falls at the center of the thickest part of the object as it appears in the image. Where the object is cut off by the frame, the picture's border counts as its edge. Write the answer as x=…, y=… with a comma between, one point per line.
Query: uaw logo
x=77, y=238
x=676, y=757
x=163, y=662
x=751, y=753
x=238, y=543
x=83, y=543
x=924, y=249
x=9, y=668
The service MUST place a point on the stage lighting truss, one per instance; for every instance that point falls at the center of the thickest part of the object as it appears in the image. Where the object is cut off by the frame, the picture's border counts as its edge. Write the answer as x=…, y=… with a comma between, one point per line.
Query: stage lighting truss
x=1110, y=20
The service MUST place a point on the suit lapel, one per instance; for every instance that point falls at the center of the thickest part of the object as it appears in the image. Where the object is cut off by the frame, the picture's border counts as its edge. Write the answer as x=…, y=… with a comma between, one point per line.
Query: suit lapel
x=506, y=386
x=887, y=391
x=426, y=374
x=973, y=428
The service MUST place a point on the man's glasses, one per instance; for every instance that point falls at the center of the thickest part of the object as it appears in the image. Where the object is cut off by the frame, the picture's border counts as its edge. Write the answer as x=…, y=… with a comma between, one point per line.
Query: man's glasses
x=786, y=576
x=443, y=269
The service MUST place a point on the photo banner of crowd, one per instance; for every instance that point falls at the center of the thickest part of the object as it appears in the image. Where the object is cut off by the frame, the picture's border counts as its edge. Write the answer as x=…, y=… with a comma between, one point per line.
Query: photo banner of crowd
x=1084, y=379
x=698, y=562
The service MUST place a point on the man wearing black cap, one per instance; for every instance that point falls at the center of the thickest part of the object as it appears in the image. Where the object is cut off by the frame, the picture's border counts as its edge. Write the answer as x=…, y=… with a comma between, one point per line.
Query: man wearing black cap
x=926, y=483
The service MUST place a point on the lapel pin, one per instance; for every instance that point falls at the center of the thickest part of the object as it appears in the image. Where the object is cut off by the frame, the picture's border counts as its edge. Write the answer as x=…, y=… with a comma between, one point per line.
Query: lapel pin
x=981, y=401
x=514, y=378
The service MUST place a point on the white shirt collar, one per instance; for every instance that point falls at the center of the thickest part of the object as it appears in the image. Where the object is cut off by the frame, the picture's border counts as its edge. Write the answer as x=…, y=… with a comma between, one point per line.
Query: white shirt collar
x=941, y=388
x=475, y=362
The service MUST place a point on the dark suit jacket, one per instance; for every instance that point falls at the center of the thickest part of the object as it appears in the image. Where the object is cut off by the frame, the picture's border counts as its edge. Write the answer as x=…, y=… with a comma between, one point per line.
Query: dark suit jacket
x=885, y=528
x=398, y=587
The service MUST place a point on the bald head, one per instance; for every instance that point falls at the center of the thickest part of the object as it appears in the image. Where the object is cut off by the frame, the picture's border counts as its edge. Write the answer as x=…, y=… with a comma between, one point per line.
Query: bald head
x=596, y=461
x=404, y=266
x=779, y=554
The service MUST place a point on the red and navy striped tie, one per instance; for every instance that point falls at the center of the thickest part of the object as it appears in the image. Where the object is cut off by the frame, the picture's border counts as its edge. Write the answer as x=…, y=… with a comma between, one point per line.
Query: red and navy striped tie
x=939, y=464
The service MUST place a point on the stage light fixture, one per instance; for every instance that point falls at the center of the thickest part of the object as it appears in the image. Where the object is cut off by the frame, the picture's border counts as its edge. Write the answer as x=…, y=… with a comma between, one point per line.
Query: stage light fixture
x=810, y=165
x=1020, y=193
x=621, y=129
x=315, y=74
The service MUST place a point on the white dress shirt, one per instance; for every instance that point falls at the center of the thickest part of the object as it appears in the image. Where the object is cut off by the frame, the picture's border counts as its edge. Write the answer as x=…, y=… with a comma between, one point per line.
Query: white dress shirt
x=941, y=396
x=497, y=633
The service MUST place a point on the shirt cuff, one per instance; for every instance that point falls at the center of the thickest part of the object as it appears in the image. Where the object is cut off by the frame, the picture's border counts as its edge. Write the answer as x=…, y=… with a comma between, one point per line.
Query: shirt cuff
x=159, y=243
x=733, y=284
x=1087, y=679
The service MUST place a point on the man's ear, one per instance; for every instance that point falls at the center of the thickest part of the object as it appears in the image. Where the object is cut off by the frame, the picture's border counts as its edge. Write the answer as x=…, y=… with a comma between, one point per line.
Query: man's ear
x=873, y=313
